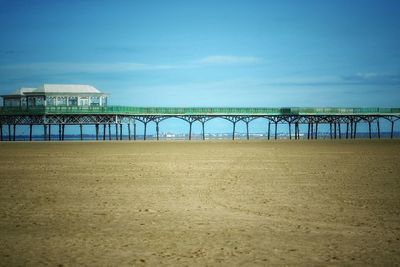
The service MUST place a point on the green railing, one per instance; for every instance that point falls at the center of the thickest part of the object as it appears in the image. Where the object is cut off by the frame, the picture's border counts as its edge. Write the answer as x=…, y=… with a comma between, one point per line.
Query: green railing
x=125, y=110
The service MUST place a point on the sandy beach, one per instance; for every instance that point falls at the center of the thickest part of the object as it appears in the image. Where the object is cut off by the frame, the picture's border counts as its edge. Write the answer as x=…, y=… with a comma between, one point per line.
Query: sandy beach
x=257, y=203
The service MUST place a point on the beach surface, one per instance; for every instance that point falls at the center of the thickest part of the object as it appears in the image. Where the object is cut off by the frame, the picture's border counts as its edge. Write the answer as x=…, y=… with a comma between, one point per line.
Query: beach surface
x=257, y=203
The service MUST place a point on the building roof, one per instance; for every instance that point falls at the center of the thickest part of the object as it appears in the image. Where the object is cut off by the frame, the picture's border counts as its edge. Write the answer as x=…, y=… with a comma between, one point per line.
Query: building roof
x=67, y=88
x=56, y=89
x=22, y=91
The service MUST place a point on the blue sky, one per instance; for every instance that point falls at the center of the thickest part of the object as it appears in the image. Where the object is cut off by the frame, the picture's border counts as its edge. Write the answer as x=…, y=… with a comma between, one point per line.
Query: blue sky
x=207, y=53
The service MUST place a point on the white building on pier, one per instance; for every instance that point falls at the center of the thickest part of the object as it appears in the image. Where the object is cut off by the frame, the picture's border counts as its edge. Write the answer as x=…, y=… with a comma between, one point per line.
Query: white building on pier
x=56, y=95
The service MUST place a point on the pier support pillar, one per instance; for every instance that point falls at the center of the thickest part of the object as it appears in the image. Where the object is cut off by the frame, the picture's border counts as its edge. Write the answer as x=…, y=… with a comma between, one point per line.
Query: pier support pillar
x=233, y=132
x=316, y=130
x=63, y=131
x=269, y=129
x=347, y=130
x=379, y=129
x=59, y=132
x=116, y=131
x=190, y=130
x=308, y=131
x=129, y=131
x=1, y=132
x=144, y=130
x=391, y=132
x=120, y=131
x=158, y=131
x=330, y=130
x=97, y=131
x=14, y=127
x=134, y=131
x=355, y=130
x=369, y=130
x=247, y=130
x=290, y=131
x=104, y=132
x=44, y=132
x=109, y=132
x=81, y=130
x=202, y=128
x=276, y=130
x=49, y=132
x=334, y=129
x=339, y=131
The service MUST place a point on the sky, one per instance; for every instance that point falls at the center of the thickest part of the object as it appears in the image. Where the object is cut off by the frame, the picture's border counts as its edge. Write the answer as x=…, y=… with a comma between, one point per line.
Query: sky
x=207, y=53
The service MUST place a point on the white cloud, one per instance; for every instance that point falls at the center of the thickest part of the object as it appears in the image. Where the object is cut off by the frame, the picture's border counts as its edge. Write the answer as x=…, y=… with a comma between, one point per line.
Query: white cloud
x=227, y=60
x=83, y=67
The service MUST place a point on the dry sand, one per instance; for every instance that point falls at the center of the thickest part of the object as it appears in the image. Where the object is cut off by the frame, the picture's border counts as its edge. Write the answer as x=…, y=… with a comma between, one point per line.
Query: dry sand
x=200, y=203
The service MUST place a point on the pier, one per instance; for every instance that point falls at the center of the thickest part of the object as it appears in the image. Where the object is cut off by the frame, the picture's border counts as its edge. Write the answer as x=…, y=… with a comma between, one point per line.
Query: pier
x=342, y=122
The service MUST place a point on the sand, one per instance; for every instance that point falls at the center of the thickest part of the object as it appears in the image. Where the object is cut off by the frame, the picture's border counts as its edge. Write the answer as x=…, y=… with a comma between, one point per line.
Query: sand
x=200, y=203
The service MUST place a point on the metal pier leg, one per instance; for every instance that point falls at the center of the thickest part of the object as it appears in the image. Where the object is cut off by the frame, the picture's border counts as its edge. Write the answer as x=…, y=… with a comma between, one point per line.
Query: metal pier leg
x=355, y=130
x=316, y=130
x=339, y=131
x=379, y=129
x=81, y=129
x=14, y=130
x=330, y=129
x=369, y=130
x=158, y=131
x=104, y=132
x=120, y=131
x=269, y=129
x=97, y=132
x=116, y=131
x=290, y=131
x=109, y=132
x=312, y=131
x=49, y=132
x=347, y=130
x=30, y=132
x=134, y=131
x=63, y=132
x=129, y=131
x=247, y=130
x=59, y=132
x=44, y=132
x=276, y=130
x=202, y=126
x=144, y=131
x=351, y=130
x=190, y=131
x=308, y=131
x=334, y=129
x=233, y=132
x=391, y=133
x=1, y=132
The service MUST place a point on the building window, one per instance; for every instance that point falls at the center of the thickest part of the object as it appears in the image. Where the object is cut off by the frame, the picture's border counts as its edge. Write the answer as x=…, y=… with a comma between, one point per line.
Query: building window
x=73, y=101
x=94, y=101
x=50, y=101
